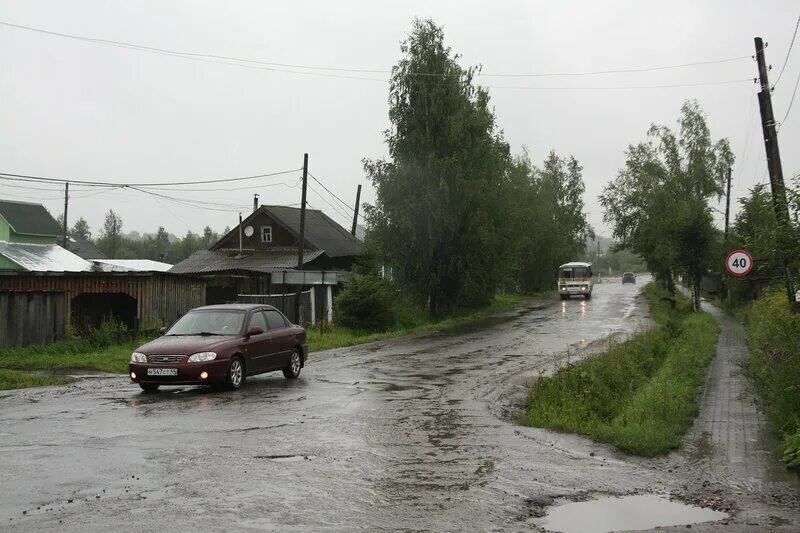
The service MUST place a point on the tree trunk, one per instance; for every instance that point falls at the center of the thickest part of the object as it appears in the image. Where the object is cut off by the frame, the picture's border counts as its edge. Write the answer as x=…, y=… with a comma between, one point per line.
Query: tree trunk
x=696, y=280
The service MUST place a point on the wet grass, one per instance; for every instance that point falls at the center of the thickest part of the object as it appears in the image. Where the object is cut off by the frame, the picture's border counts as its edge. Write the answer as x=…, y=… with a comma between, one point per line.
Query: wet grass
x=13, y=379
x=341, y=337
x=641, y=395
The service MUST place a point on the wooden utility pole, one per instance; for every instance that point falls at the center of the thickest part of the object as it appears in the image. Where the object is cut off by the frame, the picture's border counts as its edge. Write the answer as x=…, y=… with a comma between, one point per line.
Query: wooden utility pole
x=66, y=205
x=779, y=203
x=728, y=205
x=355, y=215
x=302, y=239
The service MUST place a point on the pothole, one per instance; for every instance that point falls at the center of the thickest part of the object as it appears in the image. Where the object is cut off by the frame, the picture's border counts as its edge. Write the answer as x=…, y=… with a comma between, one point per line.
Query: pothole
x=608, y=515
x=285, y=458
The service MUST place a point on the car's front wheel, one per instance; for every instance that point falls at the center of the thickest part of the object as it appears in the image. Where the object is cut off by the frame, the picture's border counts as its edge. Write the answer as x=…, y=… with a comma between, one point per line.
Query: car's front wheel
x=149, y=387
x=236, y=377
x=295, y=364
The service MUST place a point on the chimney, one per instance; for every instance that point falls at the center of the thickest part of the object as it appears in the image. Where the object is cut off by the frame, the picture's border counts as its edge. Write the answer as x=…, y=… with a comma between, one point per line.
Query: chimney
x=255, y=202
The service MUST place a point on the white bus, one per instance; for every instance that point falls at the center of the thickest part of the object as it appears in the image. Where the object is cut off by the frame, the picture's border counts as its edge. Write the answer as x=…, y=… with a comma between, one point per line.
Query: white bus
x=575, y=278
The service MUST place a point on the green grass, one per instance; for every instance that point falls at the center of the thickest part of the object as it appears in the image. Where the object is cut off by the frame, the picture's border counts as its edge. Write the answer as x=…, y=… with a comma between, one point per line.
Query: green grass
x=641, y=395
x=112, y=358
x=340, y=337
x=773, y=330
x=12, y=379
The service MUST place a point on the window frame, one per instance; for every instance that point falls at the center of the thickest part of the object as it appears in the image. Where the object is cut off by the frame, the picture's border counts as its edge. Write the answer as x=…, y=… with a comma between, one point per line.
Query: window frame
x=268, y=233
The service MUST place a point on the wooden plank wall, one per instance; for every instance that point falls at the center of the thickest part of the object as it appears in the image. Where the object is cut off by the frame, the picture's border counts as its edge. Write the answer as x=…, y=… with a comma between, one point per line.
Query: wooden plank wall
x=31, y=318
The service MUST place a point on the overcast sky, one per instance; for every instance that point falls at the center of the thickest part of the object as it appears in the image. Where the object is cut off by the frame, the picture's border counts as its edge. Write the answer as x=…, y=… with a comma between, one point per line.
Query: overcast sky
x=81, y=110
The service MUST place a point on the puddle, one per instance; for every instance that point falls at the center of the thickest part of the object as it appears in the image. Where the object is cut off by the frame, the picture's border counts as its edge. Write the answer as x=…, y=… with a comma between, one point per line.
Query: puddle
x=624, y=514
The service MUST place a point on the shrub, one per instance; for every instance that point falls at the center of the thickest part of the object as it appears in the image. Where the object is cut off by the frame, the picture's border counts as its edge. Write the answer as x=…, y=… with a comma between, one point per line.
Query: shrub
x=366, y=304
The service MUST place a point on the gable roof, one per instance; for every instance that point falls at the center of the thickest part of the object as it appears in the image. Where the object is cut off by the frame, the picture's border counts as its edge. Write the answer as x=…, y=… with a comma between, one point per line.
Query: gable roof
x=84, y=248
x=44, y=257
x=29, y=219
x=321, y=232
x=212, y=261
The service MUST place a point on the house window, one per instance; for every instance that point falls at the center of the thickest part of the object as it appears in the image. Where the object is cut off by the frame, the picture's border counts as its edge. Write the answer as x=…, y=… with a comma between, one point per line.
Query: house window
x=266, y=234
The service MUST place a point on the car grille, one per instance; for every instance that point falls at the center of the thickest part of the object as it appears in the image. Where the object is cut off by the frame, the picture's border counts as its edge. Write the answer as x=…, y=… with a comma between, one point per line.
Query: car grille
x=165, y=358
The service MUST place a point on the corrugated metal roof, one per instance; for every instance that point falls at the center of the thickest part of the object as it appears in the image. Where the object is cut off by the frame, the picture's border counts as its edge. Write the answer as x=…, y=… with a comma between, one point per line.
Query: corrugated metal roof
x=211, y=261
x=29, y=219
x=44, y=257
x=130, y=265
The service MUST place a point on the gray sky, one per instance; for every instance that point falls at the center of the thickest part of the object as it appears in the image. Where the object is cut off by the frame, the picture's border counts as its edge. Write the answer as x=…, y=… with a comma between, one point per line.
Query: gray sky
x=84, y=111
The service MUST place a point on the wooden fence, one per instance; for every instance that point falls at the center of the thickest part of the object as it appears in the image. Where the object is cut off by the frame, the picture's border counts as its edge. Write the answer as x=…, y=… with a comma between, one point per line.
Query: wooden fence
x=31, y=318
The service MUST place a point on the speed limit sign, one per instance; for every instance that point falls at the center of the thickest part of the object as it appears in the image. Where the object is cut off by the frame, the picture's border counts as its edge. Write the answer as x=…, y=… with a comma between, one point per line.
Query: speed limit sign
x=739, y=263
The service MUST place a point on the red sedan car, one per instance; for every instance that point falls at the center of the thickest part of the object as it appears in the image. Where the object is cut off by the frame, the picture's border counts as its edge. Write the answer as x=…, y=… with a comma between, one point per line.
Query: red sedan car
x=221, y=345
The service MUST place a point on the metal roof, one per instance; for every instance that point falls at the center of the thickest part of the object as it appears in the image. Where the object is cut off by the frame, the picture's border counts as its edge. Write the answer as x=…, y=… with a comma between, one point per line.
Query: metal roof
x=575, y=264
x=213, y=261
x=44, y=257
x=130, y=265
x=84, y=248
x=29, y=219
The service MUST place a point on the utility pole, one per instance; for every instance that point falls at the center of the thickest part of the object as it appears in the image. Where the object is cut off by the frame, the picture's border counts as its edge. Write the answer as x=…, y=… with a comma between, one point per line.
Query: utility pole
x=728, y=205
x=779, y=203
x=66, y=205
x=302, y=242
x=355, y=215
x=255, y=202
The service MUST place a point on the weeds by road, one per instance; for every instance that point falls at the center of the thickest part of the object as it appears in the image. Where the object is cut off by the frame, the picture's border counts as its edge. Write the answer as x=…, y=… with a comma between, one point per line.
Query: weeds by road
x=640, y=395
x=12, y=379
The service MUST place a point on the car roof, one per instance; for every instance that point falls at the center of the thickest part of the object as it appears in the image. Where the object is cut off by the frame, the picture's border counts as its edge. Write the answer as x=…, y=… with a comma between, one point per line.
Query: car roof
x=232, y=307
x=575, y=264
x=626, y=273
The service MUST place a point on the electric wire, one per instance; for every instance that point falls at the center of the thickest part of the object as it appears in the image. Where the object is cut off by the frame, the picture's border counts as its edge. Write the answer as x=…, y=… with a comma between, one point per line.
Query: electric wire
x=44, y=179
x=788, y=53
x=268, y=65
x=788, y=109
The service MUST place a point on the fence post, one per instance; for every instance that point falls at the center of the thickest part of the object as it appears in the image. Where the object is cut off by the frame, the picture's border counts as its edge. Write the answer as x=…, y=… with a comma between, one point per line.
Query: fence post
x=313, y=307
x=329, y=303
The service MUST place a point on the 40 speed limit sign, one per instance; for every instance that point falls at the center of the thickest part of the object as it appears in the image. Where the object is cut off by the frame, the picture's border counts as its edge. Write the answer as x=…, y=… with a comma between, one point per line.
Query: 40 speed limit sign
x=739, y=263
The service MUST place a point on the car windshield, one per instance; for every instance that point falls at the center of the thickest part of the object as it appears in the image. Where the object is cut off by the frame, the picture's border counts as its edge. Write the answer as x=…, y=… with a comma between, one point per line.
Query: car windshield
x=578, y=272
x=208, y=323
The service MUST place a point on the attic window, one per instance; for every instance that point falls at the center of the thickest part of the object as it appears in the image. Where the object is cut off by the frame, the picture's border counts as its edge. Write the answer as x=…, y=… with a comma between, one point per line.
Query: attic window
x=266, y=234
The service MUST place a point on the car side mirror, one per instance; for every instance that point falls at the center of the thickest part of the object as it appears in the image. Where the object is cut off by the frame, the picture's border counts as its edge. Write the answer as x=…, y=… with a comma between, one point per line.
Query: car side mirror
x=162, y=330
x=254, y=331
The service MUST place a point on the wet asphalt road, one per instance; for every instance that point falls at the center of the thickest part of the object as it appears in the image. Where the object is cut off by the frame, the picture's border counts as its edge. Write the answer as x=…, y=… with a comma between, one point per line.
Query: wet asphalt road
x=409, y=434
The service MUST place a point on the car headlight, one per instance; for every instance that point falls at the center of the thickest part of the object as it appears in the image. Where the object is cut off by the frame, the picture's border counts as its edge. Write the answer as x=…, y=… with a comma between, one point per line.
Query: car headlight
x=583, y=288
x=202, y=356
x=137, y=357
x=563, y=288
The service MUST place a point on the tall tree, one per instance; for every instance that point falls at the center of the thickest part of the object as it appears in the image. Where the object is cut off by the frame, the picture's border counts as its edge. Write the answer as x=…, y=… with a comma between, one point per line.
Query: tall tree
x=658, y=204
x=438, y=215
x=81, y=230
x=111, y=235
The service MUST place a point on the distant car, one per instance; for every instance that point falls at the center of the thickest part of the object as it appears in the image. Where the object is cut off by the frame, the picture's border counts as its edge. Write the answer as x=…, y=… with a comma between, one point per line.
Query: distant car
x=629, y=277
x=221, y=345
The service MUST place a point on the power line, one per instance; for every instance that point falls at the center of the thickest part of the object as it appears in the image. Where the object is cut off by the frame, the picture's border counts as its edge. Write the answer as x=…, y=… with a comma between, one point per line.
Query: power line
x=785, y=61
x=350, y=208
x=794, y=93
x=27, y=177
x=326, y=71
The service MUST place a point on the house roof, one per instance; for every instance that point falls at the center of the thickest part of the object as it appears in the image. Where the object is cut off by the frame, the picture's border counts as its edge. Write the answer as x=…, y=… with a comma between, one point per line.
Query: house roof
x=44, y=257
x=29, y=219
x=130, y=265
x=84, y=248
x=213, y=261
x=321, y=232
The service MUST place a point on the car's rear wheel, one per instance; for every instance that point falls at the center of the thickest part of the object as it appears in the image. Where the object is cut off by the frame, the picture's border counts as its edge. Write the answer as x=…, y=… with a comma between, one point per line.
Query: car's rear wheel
x=149, y=387
x=236, y=377
x=295, y=364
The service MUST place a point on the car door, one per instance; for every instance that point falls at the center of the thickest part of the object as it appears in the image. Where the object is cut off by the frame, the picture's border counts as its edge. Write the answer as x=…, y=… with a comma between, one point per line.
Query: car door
x=282, y=338
x=257, y=347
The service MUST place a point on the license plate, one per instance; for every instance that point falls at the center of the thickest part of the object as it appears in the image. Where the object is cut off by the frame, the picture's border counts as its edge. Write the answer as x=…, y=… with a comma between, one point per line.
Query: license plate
x=162, y=371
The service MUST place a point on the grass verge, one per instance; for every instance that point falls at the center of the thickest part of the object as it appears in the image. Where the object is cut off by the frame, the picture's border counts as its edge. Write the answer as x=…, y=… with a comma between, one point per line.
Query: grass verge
x=340, y=337
x=640, y=396
x=773, y=331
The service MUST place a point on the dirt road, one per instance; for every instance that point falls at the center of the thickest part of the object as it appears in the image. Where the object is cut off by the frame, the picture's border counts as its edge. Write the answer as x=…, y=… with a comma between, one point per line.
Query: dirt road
x=411, y=434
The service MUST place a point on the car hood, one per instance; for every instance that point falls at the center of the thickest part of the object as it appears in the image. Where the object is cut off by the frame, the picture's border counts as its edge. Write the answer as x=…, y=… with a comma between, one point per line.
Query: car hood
x=179, y=345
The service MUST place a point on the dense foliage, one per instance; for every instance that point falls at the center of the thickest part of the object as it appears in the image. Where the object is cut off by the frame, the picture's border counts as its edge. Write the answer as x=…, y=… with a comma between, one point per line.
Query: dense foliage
x=658, y=204
x=455, y=215
x=773, y=333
